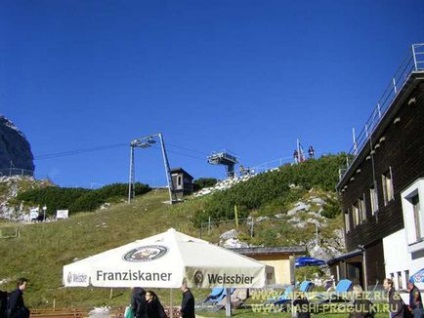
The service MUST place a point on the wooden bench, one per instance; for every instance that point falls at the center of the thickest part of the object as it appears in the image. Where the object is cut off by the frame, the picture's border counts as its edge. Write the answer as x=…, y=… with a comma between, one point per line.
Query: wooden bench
x=59, y=313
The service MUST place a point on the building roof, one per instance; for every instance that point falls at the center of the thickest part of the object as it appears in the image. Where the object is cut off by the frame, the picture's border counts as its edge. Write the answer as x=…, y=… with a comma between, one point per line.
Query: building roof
x=346, y=256
x=270, y=250
x=181, y=170
x=413, y=80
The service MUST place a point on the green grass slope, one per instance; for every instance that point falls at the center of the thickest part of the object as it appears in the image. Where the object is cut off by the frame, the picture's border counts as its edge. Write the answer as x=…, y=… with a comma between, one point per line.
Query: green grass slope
x=43, y=248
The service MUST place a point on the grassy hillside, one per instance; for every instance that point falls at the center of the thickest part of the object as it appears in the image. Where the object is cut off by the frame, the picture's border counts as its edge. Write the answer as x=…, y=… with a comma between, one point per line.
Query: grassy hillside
x=43, y=248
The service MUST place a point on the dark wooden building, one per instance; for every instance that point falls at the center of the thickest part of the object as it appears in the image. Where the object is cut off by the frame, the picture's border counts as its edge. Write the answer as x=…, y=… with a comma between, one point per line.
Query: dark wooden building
x=377, y=188
x=182, y=182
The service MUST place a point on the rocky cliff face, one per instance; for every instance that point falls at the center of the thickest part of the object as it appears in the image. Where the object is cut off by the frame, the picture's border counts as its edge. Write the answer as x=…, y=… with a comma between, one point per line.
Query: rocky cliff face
x=15, y=151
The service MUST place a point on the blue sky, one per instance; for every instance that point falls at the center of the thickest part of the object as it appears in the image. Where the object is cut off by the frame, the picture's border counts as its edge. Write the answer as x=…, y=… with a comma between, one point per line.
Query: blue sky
x=248, y=76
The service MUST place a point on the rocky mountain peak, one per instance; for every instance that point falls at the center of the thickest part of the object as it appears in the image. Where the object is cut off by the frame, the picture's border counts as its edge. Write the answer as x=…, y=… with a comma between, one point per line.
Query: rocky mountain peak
x=15, y=151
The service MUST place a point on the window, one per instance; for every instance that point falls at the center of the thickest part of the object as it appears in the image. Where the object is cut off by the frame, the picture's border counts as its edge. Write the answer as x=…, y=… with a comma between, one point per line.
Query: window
x=362, y=209
x=355, y=215
x=373, y=199
x=179, y=181
x=415, y=202
x=413, y=215
x=406, y=275
x=387, y=183
x=347, y=221
x=359, y=213
x=399, y=279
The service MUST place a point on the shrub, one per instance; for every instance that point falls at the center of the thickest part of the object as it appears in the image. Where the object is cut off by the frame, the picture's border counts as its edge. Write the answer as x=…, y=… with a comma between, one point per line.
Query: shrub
x=274, y=188
x=203, y=183
x=77, y=199
x=54, y=198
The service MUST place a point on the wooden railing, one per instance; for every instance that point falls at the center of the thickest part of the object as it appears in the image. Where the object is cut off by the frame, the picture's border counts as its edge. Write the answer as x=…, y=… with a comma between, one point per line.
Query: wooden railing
x=59, y=313
x=114, y=312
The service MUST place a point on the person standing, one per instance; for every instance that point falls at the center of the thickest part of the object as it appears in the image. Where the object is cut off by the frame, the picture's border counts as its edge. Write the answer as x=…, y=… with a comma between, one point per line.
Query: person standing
x=395, y=301
x=296, y=156
x=311, y=152
x=187, y=303
x=154, y=308
x=301, y=304
x=138, y=302
x=362, y=307
x=15, y=306
x=415, y=300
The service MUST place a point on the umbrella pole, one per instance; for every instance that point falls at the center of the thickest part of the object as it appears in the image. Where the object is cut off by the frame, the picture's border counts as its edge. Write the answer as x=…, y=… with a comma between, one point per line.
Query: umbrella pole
x=171, y=300
x=228, y=303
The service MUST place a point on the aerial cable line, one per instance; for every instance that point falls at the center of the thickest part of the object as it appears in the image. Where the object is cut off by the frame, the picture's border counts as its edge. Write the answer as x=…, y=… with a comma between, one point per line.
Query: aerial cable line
x=101, y=148
x=183, y=148
x=106, y=147
x=77, y=151
x=186, y=155
x=180, y=153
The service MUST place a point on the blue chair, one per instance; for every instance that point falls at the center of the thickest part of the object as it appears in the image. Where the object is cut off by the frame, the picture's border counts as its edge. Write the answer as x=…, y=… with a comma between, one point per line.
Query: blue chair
x=216, y=295
x=344, y=285
x=340, y=292
x=284, y=297
x=306, y=286
x=222, y=300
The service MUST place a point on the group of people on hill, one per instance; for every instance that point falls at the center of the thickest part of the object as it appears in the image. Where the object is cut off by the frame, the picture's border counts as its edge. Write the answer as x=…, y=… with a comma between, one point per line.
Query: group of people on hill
x=364, y=308
x=398, y=309
x=146, y=304
x=12, y=304
x=299, y=156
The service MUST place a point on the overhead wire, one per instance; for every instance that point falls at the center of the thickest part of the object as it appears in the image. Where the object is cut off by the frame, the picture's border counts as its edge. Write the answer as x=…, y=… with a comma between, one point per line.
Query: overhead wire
x=106, y=147
x=182, y=154
x=169, y=149
x=77, y=151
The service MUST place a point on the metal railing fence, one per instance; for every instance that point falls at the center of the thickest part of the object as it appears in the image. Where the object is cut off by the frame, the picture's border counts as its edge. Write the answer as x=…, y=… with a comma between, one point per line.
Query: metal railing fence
x=413, y=62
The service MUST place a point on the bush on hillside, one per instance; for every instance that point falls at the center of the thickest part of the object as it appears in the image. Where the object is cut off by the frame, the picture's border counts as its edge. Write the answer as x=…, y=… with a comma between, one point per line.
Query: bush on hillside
x=121, y=190
x=273, y=186
x=78, y=199
x=201, y=183
x=93, y=200
x=308, y=273
x=54, y=198
x=88, y=202
x=331, y=209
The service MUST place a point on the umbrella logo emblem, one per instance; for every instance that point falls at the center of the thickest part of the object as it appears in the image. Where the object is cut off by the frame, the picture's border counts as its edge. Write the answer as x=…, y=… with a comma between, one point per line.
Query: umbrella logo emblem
x=145, y=253
x=418, y=277
x=69, y=278
x=76, y=278
x=198, y=278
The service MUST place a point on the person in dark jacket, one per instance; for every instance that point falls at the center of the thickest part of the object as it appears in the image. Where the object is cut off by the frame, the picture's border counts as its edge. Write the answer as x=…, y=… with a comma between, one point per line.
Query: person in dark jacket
x=15, y=305
x=301, y=303
x=415, y=300
x=396, y=305
x=3, y=303
x=138, y=302
x=187, y=303
x=154, y=308
x=362, y=307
